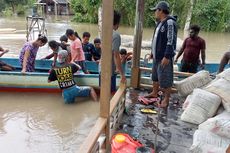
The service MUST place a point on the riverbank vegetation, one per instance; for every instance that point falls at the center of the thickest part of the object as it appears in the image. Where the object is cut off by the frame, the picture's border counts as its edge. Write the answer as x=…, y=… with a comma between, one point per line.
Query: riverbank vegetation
x=15, y=7
x=211, y=15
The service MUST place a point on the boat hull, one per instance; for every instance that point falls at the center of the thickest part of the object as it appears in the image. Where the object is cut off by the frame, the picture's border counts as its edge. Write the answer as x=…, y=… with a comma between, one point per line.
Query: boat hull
x=38, y=82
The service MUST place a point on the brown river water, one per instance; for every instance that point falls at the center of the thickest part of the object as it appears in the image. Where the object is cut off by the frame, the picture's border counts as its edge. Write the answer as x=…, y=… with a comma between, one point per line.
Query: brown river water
x=41, y=122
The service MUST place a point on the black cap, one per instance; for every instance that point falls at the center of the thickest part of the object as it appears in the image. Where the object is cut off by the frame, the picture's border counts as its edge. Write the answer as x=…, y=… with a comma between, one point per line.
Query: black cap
x=163, y=5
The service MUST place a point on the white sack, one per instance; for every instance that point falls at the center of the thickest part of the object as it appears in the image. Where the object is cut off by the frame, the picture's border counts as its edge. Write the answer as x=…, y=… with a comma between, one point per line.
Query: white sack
x=186, y=86
x=221, y=87
x=202, y=106
x=207, y=142
x=219, y=125
x=187, y=101
x=225, y=74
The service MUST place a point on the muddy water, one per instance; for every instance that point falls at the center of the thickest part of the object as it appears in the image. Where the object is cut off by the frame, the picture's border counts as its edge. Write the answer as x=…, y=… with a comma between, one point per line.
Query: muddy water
x=217, y=43
x=42, y=123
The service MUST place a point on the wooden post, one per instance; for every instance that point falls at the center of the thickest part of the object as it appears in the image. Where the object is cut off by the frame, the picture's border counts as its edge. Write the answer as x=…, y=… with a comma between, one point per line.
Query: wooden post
x=55, y=10
x=135, y=79
x=106, y=65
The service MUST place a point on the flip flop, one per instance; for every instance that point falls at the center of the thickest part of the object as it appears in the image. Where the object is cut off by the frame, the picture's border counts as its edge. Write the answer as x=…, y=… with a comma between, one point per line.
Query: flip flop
x=148, y=111
x=147, y=101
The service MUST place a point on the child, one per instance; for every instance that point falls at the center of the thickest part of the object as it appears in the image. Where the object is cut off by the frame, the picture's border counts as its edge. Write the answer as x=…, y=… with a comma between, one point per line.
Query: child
x=88, y=47
x=65, y=46
x=125, y=57
x=64, y=76
x=55, y=46
x=97, y=53
x=77, y=53
x=3, y=65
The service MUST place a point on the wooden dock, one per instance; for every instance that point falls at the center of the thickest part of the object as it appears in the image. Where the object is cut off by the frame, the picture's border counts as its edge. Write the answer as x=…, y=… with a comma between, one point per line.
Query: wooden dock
x=174, y=136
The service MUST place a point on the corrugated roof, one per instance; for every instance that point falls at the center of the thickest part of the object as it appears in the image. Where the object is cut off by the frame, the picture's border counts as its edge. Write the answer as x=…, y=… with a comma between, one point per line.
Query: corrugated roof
x=56, y=1
x=62, y=1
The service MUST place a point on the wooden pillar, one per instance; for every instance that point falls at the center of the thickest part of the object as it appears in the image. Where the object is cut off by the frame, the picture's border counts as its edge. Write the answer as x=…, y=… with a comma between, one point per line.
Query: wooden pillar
x=135, y=79
x=55, y=10
x=67, y=8
x=106, y=64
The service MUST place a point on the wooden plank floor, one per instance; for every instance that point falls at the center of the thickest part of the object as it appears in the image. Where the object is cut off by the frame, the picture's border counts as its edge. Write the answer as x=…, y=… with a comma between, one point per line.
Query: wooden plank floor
x=174, y=135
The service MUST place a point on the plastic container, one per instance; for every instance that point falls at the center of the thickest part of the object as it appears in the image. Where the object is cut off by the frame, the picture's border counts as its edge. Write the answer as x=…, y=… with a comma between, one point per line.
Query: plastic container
x=123, y=143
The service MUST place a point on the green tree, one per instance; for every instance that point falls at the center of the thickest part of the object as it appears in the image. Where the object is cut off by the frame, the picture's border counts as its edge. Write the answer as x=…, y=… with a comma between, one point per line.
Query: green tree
x=15, y=6
x=14, y=3
x=211, y=15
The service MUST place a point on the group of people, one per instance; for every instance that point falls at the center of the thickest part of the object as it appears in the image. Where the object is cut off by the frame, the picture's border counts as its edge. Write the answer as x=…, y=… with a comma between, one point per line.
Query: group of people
x=72, y=56
x=163, y=47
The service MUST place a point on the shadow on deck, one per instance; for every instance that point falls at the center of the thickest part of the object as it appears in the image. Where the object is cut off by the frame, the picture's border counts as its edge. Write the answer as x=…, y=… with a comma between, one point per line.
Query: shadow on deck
x=174, y=136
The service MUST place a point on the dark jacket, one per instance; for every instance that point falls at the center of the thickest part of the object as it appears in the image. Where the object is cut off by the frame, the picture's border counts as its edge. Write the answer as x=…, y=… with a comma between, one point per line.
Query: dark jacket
x=166, y=39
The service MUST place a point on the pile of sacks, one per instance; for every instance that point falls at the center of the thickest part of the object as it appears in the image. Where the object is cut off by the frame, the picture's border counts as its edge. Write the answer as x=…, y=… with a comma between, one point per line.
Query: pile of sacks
x=205, y=98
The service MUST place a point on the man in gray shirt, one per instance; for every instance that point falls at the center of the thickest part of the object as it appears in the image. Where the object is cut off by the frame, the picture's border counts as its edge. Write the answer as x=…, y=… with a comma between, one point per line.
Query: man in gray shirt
x=116, y=60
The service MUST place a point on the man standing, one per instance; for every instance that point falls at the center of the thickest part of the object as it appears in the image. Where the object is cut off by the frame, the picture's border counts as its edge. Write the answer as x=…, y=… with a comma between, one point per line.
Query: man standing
x=163, y=46
x=116, y=61
x=192, y=47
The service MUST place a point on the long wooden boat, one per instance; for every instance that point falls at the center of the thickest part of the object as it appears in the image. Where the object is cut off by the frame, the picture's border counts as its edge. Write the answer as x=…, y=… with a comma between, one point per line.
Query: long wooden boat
x=37, y=81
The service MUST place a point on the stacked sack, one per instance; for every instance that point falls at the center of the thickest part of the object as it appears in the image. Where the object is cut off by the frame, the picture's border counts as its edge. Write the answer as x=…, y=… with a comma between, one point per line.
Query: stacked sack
x=186, y=86
x=203, y=100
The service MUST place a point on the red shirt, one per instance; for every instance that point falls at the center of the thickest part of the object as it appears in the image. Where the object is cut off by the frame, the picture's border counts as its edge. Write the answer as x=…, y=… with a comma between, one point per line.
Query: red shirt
x=192, y=48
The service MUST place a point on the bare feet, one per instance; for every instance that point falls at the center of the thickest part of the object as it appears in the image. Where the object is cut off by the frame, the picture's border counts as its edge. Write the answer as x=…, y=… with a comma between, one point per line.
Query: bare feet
x=93, y=94
x=151, y=95
x=164, y=103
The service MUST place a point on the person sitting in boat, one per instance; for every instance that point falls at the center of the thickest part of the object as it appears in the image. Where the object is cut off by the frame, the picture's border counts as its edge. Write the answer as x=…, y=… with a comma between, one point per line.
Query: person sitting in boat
x=64, y=45
x=65, y=77
x=192, y=47
x=97, y=46
x=224, y=61
x=56, y=47
x=29, y=52
x=77, y=53
x=125, y=57
x=3, y=65
x=88, y=47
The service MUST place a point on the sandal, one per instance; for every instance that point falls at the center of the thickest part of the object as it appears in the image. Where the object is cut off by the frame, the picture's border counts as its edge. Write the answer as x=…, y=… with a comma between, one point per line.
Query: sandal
x=148, y=111
x=147, y=101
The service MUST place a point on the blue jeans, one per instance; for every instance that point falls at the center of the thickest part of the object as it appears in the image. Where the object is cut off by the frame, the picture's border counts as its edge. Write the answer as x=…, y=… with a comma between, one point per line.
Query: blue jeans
x=71, y=93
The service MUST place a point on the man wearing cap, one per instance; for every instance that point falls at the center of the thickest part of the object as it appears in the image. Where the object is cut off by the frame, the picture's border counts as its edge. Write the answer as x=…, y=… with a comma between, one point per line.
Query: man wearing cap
x=163, y=46
x=64, y=76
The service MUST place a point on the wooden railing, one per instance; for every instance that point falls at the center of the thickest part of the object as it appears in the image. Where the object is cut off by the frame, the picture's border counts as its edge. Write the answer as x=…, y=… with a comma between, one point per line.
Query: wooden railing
x=101, y=122
x=176, y=73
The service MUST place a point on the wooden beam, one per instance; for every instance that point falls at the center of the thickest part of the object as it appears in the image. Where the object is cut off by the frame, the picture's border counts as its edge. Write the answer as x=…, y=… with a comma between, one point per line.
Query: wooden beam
x=183, y=73
x=147, y=86
x=117, y=97
x=106, y=65
x=93, y=136
x=137, y=43
x=175, y=72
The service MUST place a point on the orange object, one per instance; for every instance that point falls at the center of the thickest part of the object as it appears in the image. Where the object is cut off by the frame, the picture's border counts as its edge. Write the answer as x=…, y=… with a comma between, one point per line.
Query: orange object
x=123, y=143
